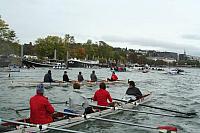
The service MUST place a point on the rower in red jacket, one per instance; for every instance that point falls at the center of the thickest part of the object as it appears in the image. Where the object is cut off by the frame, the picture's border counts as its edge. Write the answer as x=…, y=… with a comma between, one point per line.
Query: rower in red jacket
x=113, y=77
x=102, y=95
x=40, y=109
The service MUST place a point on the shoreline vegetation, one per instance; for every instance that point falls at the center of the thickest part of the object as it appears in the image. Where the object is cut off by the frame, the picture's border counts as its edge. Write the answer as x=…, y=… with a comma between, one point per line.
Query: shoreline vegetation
x=67, y=47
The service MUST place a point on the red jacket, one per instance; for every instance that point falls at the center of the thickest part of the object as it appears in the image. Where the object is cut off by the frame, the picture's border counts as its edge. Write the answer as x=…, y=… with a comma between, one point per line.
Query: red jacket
x=40, y=110
x=101, y=96
x=114, y=77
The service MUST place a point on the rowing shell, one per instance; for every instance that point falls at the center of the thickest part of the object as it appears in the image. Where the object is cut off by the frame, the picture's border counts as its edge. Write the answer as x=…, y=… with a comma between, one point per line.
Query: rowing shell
x=33, y=84
x=60, y=83
x=62, y=120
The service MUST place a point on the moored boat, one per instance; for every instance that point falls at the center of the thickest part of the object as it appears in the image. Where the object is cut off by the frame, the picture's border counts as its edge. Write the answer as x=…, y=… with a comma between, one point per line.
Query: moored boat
x=65, y=120
x=60, y=66
x=175, y=71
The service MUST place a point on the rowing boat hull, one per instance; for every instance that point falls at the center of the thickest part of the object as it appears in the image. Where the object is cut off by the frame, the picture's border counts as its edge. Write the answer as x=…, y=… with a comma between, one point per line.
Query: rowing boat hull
x=66, y=123
x=33, y=84
x=60, y=84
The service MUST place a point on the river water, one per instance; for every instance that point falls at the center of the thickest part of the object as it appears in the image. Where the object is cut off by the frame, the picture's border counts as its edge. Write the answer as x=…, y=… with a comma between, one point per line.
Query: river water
x=175, y=92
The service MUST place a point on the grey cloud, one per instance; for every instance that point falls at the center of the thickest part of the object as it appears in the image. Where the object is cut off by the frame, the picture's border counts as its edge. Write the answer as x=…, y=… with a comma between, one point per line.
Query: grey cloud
x=150, y=43
x=191, y=36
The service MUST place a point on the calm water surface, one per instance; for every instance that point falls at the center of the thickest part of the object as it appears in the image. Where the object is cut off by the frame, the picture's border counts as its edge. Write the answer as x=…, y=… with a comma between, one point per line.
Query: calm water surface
x=176, y=92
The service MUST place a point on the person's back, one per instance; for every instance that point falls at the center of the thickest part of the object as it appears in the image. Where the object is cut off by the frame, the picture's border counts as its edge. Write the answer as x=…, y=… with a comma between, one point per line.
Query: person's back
x=65, y=77
x=40, y=108
x=114, y=77
x=102, y=95
x=80, y=77
x=93, y=77
x=133, y=91
x=47, y=77
x=77, y=101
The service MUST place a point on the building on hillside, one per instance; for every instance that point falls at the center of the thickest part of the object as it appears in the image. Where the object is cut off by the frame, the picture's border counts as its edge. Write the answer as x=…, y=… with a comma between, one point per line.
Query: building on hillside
x=168, y=60
x=169, y=55
x=143, y=52
x=183, y=57
x=193, y=58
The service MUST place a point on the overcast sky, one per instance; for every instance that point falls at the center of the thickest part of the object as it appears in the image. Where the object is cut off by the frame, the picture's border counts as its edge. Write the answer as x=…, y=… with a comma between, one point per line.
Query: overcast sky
x=164, y=25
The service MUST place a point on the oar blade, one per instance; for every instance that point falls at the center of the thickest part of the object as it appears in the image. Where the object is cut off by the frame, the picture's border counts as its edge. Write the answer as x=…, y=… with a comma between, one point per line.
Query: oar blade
x=167, y=129
x=191, y=113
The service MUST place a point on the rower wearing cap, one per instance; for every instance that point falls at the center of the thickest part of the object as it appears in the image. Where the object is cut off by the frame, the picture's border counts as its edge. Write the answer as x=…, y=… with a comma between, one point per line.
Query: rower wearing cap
x=40, y=108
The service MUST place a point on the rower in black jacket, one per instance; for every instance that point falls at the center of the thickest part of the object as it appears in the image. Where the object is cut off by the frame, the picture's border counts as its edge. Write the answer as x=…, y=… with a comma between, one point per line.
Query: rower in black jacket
x=65, y=77
x=133, y=91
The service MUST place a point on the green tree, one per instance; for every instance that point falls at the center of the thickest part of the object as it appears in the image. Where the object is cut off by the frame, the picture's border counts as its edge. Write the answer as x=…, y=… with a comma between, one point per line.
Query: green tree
x=8, y=42
x=45, y=47
x=6, y=33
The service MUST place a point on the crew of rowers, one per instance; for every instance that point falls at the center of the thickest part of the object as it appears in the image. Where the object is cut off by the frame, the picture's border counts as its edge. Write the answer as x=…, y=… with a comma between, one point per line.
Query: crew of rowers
x=93, y=77
x=41, y=110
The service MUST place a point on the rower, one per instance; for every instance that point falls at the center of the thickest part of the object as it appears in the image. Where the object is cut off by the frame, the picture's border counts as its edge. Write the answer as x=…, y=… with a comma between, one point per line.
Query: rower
x=113, y=77
x=133, y=93
x=48, y=78
x=102, y=95
x=77, y=102
x=65, y=77
x=80, y=77
x=93, y=76
x=40, y=109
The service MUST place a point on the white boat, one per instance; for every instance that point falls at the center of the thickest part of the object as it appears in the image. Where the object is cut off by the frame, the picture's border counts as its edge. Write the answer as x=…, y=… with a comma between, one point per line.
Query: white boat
x=63, y=120
x=175, y=71
x=61, y=66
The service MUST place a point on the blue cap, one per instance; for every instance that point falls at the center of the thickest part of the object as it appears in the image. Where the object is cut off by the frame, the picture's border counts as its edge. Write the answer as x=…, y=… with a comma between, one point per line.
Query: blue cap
x=40, y=88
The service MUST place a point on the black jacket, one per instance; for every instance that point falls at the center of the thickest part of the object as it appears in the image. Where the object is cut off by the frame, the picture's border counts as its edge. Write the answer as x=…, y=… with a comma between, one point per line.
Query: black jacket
x=134, y=91
x=80, y=78
x=93, y=77
x=48, y=78
x=65, y=78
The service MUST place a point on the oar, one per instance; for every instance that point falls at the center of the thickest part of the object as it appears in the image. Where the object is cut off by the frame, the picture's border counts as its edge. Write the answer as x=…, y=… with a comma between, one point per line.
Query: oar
x=40, y=127
x=160, y=128
x=189, y=113
x=145, y=112
x=166, y=128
